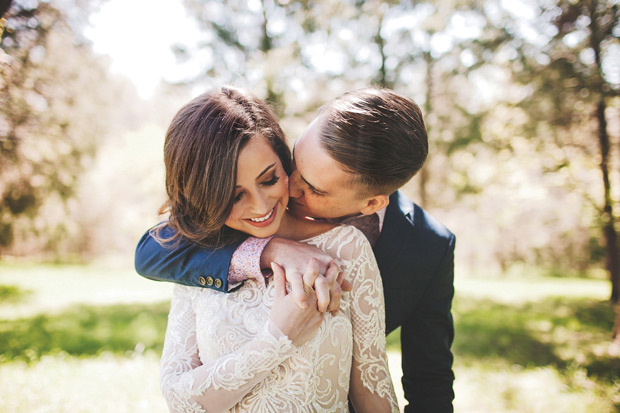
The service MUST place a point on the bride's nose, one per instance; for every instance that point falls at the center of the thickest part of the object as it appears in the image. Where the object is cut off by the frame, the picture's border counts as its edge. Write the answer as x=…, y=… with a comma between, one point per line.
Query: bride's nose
x=261, y=204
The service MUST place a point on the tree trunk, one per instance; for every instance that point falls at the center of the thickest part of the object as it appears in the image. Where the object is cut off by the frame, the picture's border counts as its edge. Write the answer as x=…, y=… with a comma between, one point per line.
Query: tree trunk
x=382, y=77
x=428, y=109
x=609, y=230
x=616, y=332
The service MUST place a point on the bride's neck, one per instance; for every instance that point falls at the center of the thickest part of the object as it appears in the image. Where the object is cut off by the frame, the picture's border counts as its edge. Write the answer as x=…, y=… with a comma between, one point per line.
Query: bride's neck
x=298, y=229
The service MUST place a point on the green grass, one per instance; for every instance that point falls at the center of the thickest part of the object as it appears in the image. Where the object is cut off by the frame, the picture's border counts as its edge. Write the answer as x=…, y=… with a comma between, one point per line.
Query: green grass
x=12, y=294
x=533, y=344
x=85, y=331
x=72, y=335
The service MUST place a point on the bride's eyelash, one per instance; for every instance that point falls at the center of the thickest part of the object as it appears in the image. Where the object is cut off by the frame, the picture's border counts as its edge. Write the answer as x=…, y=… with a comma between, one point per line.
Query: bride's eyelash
x=272, y=181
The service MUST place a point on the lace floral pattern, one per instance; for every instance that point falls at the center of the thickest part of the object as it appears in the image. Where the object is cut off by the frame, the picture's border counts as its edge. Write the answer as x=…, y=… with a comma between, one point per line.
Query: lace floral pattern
x=221, y=353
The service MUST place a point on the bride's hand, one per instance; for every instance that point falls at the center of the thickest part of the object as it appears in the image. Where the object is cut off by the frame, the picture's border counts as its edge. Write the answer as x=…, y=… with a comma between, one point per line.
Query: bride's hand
x=295, y=257
x=299, y=324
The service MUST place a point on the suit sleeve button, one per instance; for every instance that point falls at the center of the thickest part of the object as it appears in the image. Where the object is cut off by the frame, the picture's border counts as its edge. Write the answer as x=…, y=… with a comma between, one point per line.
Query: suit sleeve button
x=209, y=281
x=202, y=280
x=218, y=283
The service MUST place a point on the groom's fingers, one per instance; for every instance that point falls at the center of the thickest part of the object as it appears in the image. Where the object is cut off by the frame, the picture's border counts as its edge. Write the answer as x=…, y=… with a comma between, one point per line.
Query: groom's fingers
x=311, y=273
x=321, y=288
x=335, y=295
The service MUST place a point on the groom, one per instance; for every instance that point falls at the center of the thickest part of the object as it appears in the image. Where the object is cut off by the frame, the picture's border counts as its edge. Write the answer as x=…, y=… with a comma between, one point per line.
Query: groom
x=350, y=162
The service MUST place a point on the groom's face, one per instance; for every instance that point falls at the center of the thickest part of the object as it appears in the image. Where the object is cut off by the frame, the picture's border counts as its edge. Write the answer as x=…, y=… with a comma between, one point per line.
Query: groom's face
x=320, y=187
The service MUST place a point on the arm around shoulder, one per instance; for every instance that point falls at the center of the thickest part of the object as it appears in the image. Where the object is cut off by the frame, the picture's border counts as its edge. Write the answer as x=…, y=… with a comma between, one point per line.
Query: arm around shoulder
x=183, y=262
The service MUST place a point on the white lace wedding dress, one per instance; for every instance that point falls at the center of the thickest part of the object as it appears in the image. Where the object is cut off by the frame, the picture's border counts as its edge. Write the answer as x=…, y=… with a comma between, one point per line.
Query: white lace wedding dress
x=219, y=353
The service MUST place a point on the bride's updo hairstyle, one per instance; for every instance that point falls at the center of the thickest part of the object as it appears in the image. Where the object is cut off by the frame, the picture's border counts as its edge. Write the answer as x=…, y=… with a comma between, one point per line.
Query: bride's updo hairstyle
x=201, y=150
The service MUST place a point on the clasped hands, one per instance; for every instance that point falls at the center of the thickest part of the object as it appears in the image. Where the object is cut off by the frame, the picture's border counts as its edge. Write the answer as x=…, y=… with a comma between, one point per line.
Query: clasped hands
x=310, y=271
x=316, y=283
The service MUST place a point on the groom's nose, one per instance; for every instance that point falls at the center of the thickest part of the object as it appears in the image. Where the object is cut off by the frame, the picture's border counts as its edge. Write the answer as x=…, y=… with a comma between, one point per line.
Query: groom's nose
x=295, y=188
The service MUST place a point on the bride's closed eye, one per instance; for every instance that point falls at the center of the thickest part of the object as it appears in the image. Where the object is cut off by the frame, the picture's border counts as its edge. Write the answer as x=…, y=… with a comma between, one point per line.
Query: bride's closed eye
x=274, y=180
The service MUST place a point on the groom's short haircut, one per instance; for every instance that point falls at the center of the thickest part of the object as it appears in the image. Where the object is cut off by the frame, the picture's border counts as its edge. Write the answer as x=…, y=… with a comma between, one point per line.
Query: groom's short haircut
x=377, y=135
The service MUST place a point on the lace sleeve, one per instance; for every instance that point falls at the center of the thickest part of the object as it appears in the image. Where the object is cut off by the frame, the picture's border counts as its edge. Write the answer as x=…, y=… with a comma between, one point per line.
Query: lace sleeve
x=371, y=384
x=189, y=385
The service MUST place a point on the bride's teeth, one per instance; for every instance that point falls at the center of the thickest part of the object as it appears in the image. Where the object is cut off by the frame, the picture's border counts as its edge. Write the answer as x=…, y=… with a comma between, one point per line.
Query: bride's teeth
x=265, y=218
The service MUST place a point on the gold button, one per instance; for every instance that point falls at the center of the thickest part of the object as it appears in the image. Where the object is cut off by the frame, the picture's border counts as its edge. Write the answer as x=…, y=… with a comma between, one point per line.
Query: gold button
x=218, y=283
x=209, y=281
x=202, y=280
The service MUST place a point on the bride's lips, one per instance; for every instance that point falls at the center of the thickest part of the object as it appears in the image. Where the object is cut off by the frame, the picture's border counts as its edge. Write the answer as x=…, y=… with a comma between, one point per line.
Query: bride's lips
x=266, y=222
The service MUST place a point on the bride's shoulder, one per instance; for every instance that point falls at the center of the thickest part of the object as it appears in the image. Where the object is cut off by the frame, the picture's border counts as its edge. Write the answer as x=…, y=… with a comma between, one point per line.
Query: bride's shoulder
x=349, y=241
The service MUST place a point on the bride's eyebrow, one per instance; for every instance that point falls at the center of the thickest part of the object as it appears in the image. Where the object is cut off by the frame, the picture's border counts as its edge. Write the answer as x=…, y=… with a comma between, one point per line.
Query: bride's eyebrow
x=265, y=171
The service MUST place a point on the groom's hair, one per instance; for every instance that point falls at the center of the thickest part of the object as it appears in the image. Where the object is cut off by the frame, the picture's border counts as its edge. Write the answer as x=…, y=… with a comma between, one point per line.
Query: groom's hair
x=376, y=135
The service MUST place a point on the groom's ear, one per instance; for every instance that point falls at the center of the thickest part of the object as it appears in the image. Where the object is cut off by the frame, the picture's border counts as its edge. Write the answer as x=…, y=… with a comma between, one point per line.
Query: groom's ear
x=375, y=204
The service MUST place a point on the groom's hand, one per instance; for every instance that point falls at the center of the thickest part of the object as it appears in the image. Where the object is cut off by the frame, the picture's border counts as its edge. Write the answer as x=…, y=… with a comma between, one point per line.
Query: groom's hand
x=294, y=256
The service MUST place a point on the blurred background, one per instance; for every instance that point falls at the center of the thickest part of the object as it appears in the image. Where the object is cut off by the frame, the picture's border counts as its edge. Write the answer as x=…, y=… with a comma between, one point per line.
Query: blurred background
x=521, y=102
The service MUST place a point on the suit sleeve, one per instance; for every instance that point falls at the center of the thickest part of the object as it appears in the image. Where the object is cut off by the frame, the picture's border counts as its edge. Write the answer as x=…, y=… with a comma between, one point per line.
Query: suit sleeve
x=426, y=338
x=183, y=262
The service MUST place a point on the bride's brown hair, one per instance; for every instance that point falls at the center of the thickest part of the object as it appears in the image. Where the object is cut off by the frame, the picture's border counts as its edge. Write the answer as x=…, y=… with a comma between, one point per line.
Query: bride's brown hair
x=201, y=150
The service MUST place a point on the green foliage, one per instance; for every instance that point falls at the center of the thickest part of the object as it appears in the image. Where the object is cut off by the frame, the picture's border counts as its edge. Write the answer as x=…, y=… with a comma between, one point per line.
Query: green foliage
x=85, y=331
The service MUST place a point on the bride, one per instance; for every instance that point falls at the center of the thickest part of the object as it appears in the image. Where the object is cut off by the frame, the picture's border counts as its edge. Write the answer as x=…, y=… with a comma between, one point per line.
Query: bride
x=255, y=349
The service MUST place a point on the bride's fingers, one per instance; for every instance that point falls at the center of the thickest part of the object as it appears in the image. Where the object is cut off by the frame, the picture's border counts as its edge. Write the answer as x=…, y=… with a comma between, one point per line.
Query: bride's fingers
x=279, y=279
x=297, y=288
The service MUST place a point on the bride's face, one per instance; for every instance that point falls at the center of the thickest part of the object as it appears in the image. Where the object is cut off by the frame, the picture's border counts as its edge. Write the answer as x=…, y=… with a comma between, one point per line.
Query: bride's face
x=261, y=192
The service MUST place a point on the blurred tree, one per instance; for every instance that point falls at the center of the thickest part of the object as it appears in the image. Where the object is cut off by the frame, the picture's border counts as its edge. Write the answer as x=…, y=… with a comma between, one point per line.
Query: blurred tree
x=568, y=68
x=566, y=54
x=454, y=57
x=52, y=116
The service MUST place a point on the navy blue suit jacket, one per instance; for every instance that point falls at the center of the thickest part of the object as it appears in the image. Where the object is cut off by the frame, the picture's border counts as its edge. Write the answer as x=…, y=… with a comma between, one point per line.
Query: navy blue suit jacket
x=415, y=254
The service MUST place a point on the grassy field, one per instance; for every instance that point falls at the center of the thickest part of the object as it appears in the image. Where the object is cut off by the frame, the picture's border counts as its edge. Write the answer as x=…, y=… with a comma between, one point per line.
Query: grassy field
x=88, y=339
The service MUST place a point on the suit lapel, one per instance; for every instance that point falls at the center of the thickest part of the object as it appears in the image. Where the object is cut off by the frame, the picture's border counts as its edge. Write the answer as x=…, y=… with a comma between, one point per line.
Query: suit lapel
x=400, y=255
